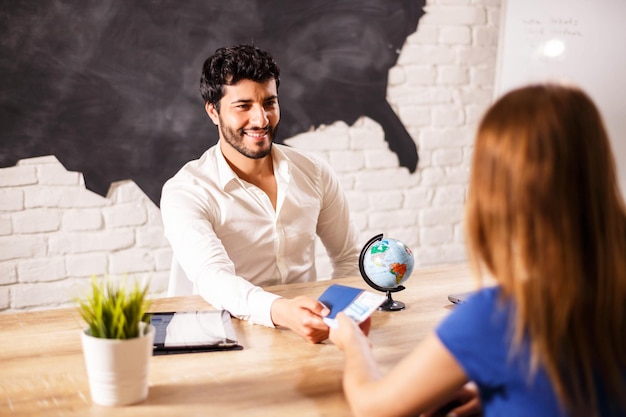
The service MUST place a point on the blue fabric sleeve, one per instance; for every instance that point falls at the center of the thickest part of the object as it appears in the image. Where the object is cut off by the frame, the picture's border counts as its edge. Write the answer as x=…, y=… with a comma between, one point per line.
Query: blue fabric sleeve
x=475, y=333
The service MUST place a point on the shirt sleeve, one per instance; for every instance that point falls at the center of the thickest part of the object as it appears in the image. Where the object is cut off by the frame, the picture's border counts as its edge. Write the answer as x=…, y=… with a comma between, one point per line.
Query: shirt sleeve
x=476, y=334
x=334, y=227
x=201, y=255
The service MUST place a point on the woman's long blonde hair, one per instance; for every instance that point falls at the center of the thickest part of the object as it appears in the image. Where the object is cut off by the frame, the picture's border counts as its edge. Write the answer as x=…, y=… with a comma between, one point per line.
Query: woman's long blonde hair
x=545, y=217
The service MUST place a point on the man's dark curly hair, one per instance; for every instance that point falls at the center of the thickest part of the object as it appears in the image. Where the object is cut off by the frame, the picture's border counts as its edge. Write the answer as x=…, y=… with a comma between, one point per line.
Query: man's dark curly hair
x=230, y=65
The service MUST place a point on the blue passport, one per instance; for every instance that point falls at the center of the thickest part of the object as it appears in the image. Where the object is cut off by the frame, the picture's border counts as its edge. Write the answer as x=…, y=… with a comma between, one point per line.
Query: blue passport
x=356, y=303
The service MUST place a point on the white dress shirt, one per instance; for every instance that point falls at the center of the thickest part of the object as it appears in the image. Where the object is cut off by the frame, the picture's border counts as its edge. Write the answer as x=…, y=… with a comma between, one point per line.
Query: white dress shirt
x=228, y=240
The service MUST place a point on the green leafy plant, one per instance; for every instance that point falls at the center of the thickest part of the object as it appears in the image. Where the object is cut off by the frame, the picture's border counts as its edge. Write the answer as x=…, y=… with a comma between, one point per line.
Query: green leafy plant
x=114, y=311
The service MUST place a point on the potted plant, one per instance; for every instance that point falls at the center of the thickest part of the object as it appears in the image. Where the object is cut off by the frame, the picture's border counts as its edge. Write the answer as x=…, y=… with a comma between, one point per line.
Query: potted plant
x=117, y=343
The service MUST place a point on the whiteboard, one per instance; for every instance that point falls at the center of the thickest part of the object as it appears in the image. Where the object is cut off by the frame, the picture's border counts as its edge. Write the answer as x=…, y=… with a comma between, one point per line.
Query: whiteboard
x=576, y=41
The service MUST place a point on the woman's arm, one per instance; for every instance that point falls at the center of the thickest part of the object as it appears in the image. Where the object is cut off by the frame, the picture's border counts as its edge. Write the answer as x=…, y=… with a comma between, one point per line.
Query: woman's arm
x=427, y=377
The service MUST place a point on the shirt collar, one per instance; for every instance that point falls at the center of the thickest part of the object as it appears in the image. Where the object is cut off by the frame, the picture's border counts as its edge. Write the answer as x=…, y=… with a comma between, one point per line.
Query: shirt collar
x=281, y=164
x=226, y=173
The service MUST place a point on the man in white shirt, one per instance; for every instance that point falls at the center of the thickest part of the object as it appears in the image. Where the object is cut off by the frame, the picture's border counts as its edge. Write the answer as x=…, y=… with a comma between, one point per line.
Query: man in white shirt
x=246, y=213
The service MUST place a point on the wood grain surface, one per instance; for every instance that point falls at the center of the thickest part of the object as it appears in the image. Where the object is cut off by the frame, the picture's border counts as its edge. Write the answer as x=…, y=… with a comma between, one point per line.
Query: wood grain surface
x=42, y=372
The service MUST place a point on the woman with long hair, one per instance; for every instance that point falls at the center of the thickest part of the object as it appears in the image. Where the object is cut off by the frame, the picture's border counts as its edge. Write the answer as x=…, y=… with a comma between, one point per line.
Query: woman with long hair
x=545, y=218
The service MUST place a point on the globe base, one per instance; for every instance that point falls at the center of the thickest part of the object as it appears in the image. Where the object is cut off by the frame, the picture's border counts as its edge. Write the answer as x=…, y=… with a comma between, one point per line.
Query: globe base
x=391, y=305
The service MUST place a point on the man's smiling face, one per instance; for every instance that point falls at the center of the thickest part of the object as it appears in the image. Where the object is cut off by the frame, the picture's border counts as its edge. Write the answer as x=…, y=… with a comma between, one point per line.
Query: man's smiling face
x=248, y=117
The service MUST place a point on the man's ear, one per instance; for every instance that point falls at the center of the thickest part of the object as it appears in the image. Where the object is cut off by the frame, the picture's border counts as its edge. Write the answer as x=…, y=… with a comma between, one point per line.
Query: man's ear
x=212, y=112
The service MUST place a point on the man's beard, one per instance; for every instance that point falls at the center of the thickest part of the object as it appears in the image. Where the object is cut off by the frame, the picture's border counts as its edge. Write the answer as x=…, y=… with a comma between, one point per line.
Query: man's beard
x=235, y=139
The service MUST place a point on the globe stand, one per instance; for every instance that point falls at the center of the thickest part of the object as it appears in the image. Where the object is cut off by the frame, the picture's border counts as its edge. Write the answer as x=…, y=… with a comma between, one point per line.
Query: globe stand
x=390, y=304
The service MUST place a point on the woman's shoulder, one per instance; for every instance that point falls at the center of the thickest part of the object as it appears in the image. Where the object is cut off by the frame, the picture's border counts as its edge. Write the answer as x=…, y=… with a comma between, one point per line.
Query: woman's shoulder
x=483, y=316
x=482, y=300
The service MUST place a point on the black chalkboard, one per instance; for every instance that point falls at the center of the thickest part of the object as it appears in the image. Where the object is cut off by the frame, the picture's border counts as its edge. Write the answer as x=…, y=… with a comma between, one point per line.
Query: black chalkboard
x=111, y=86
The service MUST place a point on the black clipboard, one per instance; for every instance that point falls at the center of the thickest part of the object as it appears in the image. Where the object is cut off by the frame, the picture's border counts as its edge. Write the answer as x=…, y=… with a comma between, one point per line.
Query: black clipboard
x=193, y=331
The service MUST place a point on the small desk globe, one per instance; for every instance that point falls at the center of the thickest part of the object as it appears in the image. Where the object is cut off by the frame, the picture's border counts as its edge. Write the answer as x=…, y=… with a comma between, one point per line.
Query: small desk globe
x=385, y=264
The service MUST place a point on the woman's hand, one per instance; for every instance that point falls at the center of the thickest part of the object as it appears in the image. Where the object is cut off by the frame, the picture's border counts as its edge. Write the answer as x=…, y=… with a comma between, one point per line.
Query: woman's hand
x=463, y=403
x=348, y=333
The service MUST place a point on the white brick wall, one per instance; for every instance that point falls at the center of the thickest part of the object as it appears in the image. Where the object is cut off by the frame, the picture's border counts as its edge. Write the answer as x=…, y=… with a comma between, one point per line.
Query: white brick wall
x=55, y=234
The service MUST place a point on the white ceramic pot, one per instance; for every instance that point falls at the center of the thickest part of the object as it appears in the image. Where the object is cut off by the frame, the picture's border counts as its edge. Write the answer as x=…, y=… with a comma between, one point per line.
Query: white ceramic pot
x=118, y=369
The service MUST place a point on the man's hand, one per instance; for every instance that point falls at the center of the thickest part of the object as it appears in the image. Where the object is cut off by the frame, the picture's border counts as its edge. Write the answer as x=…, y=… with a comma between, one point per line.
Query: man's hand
x=303, y=315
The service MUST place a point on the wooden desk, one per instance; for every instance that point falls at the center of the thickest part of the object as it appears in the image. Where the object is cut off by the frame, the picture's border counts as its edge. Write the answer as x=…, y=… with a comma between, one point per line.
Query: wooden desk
x=278, y=373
